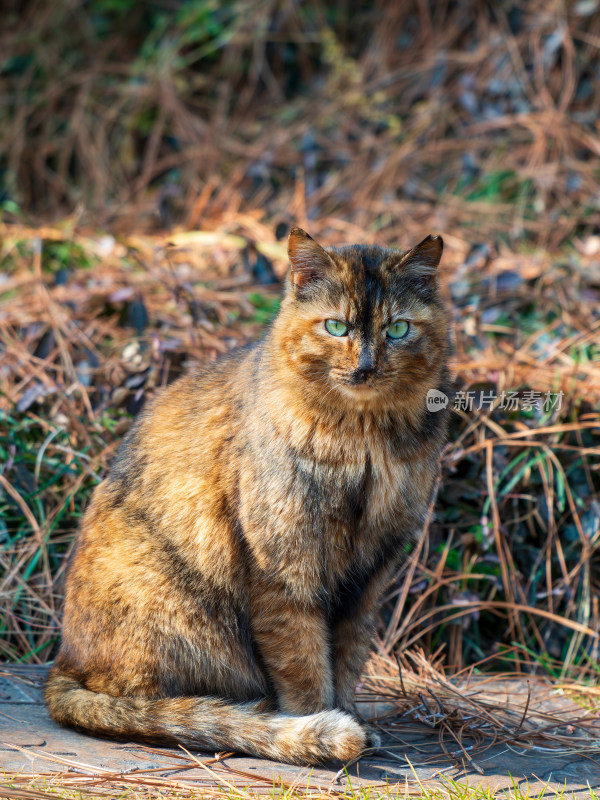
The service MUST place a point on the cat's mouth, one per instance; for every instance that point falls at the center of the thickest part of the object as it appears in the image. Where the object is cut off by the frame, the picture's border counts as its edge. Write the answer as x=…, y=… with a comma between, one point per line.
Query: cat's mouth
x=354, y=387
x=357, y=391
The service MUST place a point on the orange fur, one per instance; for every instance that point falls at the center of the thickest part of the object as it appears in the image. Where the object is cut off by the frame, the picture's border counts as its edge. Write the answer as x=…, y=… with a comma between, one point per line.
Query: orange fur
x=225, y=578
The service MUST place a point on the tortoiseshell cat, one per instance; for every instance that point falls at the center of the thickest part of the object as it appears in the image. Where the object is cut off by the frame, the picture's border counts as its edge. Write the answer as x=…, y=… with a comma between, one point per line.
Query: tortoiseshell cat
x=225, y=578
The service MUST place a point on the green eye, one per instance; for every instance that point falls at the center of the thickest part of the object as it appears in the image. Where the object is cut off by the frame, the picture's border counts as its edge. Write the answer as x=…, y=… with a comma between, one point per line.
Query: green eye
x=335, y=327
x=398, y=330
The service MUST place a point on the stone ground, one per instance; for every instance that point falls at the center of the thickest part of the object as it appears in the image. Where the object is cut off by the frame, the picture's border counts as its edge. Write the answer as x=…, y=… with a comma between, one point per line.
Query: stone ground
x=44, y=746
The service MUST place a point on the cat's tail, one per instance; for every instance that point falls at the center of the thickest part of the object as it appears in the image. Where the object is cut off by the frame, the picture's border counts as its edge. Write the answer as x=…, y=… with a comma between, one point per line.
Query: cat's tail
x=207, y=723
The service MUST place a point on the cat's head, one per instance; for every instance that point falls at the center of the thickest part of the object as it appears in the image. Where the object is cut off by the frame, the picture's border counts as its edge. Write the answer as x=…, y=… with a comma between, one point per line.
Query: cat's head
x=363, y=324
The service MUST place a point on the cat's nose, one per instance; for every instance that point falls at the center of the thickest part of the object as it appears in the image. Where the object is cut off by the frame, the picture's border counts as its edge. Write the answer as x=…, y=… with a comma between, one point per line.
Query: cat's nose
x=361, y=375
x=365, y=366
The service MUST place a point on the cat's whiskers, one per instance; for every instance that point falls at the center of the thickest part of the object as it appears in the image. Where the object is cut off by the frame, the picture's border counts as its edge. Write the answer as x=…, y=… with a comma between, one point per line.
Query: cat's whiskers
x=333, y=386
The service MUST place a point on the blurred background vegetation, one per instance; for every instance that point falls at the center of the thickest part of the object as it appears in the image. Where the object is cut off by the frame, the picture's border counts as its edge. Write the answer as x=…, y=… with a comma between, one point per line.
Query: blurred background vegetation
x=376, y=107
x=153, y=156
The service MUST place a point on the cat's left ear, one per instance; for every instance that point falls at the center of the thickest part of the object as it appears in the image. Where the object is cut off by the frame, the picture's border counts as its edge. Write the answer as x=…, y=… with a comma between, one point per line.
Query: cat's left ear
x=424, y=259
x=308, y=259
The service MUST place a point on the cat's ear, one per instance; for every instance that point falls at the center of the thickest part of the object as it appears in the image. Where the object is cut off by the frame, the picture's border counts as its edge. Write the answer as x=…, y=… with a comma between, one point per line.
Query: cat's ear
x=423, y=260
x=308, y=259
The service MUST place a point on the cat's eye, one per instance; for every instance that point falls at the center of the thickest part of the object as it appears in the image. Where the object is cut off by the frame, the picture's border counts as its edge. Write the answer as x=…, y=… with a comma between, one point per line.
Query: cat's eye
x=398, y=329
x=335, y=327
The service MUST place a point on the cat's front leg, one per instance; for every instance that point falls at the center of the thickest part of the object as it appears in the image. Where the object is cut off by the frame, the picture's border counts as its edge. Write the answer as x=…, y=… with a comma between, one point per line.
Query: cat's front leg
x=352, y=624
x=351, y=646
x=293, y=640
x=353, y=612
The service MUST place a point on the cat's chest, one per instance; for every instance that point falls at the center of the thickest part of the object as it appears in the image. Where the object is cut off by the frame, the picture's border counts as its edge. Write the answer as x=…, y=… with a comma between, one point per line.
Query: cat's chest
x=366, y=485
x=330, y=503
x=366, y=493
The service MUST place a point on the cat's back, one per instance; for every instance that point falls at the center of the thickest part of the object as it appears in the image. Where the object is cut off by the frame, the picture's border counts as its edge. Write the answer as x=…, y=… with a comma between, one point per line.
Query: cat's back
x=188, y=423
x=156, y=552
x=173, y=479
x=171, y=485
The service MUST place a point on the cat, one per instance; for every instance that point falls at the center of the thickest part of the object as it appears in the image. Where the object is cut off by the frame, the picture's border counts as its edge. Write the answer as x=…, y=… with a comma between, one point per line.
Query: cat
x=224, y=582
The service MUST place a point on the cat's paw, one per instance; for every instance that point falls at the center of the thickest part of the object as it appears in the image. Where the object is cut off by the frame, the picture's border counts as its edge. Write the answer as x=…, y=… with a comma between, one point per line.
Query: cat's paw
x=373, y=738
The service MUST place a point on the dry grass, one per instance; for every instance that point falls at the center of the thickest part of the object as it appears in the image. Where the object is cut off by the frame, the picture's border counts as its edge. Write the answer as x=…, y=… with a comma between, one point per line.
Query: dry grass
x=468, y=715
x=512, y=555
x=172, y=162
x=390, y=120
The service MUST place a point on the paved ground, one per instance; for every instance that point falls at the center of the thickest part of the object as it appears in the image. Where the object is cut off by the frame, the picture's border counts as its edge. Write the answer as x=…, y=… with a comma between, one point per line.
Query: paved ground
x=47, y=747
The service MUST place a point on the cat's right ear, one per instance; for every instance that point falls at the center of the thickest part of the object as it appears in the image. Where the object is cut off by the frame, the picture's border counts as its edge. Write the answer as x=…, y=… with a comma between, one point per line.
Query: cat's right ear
x=308, y=259
x=423, y=260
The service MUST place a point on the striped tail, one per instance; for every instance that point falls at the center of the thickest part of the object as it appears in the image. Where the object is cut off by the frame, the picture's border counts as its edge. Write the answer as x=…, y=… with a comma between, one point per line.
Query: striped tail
x=207, y=723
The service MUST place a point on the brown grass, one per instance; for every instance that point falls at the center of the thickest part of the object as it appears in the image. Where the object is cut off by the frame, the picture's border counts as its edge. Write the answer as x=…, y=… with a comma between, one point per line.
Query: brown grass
x=74, y=366
x=390, y=120
x=405, y=119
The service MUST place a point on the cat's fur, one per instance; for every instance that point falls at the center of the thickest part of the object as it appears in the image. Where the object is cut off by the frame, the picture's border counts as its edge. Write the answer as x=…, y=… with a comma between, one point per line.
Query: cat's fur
x=225, y=578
